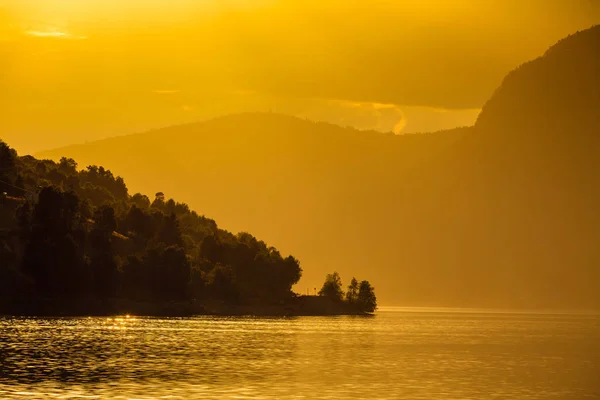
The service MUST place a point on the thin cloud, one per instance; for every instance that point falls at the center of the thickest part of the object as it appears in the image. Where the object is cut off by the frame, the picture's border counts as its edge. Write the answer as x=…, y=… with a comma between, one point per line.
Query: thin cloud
x=54, y=34
x=47, y=34
x=378, y=116
x=399, y=127
x=386, y=117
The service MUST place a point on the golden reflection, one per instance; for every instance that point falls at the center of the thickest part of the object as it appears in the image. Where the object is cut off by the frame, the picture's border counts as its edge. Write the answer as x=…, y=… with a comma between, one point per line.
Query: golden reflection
x=120, y=322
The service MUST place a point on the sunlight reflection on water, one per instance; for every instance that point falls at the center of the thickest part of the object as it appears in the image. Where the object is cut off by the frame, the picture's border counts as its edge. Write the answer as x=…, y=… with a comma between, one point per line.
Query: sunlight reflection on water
x=408, y=355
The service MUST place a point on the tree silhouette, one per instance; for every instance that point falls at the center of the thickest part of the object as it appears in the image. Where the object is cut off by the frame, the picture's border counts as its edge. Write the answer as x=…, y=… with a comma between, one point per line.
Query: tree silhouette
x=366, y=297
x=54, y=252
x=169, y=232
x=352, y=293
x=103, y=264
x=8, y=163
x=222, y=283
x=332, y=287
x=84, y=238
x=159, y=200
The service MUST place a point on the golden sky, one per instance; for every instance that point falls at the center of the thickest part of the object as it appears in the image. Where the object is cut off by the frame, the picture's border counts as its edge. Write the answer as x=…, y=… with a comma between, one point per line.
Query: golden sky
x=73, y=70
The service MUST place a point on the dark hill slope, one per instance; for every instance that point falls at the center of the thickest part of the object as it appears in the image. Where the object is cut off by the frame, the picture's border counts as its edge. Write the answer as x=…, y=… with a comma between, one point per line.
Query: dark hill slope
x=557, y=92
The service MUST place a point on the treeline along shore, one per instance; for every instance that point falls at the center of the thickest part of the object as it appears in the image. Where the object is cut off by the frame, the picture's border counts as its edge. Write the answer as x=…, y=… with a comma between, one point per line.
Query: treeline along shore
x=75, y=242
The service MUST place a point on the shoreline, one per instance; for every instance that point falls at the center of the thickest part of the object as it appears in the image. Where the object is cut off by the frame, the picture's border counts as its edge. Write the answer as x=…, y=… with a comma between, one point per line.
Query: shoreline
x=302, y=306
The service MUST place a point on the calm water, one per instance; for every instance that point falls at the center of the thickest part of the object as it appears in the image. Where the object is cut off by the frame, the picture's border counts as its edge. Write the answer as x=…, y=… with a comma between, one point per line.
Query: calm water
x=394, y=355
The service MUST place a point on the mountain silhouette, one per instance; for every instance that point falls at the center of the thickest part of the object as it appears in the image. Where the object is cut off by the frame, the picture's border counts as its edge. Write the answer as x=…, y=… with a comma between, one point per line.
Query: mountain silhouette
x=504, y=213
x=558, y=91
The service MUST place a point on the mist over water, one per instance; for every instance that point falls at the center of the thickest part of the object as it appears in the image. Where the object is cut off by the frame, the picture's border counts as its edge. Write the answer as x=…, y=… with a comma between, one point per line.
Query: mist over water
x=398, y=353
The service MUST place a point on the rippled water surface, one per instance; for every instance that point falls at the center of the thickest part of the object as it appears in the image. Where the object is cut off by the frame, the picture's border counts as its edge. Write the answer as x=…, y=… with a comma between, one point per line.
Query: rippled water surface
x=393, y=355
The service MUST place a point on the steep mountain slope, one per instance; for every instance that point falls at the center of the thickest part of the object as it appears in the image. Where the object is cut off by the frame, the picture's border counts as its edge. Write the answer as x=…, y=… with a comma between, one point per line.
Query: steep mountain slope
x=504, y=213
x=520, y=221
x=559, y=90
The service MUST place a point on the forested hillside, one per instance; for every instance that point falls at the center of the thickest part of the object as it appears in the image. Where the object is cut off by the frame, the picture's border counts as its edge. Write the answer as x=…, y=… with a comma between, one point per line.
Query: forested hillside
x=76, y=236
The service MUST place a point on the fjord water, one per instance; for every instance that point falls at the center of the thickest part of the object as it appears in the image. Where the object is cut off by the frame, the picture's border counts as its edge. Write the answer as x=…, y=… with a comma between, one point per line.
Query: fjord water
x=396, y=354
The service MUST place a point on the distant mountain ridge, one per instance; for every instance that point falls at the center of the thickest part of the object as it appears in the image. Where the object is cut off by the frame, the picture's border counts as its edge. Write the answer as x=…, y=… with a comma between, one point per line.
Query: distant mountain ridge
x=504, y=213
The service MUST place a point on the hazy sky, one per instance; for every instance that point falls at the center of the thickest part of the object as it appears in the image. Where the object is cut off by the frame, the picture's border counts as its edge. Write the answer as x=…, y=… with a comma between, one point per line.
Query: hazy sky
x=73, y=70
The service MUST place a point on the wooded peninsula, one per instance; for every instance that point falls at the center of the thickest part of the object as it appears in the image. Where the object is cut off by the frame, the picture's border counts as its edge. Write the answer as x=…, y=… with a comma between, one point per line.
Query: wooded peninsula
x=75, y=242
